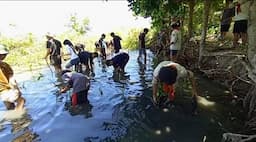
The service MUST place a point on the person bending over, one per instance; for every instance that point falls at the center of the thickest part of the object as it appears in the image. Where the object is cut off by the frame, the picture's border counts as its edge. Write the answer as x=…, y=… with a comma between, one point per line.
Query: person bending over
x=80, y=84
x=165, y=78
x=86, y=58
x=119, y=62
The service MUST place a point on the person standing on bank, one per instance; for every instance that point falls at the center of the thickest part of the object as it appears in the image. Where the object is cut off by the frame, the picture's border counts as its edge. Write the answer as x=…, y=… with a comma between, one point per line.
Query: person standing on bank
x=175, y=41
x=241, y=22
x=116, y=42
x=9, y=90
x=226, y=19
x=142, y=45
x=54, y=51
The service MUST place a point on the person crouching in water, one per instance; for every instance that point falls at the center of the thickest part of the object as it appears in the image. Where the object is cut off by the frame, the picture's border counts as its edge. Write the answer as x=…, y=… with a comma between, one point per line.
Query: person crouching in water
x=80, y=84
x=119, y=62
x=9, y=90
x=165, y=78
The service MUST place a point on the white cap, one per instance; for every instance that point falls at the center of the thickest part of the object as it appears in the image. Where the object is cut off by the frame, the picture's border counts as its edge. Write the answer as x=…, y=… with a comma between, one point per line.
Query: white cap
x=3, y=50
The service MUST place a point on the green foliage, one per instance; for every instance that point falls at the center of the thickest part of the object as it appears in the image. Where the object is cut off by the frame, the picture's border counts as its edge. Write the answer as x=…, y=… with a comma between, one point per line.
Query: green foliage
x=160, y=11
x=79, y=27
x=18, y=42
x=131, y=40
x=24, y=52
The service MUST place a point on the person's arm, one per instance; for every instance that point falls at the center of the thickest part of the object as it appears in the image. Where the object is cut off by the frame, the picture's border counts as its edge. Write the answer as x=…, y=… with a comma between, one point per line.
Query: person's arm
x=47, y=53
x=154, y=93
x=194, y=92
x=193, y=83
x=90, y=64
x=14, y=83
x=64, y=89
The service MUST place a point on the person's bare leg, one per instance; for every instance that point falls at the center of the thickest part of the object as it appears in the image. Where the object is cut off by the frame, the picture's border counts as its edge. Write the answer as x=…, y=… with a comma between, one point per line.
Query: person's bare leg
x=244, y=38
x=235, y=40
x=57, y=69
x=20, y=103
x=145, y=58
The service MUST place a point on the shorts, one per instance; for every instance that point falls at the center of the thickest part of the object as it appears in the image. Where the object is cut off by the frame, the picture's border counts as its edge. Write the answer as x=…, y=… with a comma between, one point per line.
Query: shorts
x=55, y=60
x=173, y=52
x=79, y=98
x=9, y=95
x=72, y=62
x=224, y=28
x=240, y=26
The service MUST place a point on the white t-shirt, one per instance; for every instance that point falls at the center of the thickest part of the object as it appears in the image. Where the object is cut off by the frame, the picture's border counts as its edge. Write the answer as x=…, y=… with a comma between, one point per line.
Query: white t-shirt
x=181, y=71
x=176, y=39
x=73, y=55
x=244, y=14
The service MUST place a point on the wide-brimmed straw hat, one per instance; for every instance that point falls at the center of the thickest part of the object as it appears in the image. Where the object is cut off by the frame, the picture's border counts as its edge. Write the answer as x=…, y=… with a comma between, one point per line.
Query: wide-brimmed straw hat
x=49, y=34
x=3, y=50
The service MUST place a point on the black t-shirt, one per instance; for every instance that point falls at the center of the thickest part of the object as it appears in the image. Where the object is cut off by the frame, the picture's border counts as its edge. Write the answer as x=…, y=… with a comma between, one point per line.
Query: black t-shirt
x=85, y=56
x=116, y=42
x=120, y=60
x=55, y=46
x=142, y=40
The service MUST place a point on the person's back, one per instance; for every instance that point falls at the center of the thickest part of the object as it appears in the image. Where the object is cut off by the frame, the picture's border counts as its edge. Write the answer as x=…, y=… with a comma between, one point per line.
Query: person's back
x=80, y=84
x=120, y=60
x=84, y=56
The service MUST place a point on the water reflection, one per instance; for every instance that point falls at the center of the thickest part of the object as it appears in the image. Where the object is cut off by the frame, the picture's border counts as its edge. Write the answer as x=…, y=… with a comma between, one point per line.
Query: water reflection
x=81, y=109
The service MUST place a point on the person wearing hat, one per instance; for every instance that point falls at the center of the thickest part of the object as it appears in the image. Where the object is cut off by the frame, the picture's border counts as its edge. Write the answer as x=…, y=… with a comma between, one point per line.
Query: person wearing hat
x=165, y=78
x=119, y=62
x=54, y=51
x=80, y=84
x=175, y=41
x=9, y=90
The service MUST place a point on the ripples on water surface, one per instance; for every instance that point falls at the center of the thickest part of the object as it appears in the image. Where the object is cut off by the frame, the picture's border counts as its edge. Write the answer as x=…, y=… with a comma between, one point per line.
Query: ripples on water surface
x=118, y=111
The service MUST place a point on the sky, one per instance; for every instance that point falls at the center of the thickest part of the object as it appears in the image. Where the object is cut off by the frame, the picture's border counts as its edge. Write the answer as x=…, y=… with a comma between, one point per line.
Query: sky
x=40, y=17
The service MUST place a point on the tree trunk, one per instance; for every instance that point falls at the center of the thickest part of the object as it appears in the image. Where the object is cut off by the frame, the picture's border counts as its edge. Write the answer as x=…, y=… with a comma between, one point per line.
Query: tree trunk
x=191, y=16
x=251, y=53
x=207, y=6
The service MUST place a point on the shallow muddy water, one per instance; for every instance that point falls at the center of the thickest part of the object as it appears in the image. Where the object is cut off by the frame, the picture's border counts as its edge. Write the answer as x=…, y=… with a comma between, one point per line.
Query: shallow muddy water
x=120, y=111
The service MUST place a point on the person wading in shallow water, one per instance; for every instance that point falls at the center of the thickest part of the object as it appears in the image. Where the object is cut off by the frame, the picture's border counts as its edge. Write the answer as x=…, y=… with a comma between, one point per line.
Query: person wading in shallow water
x=119, y=62
x=9, y=90
x=54, y=51
x=80, y=84
x=165, y=78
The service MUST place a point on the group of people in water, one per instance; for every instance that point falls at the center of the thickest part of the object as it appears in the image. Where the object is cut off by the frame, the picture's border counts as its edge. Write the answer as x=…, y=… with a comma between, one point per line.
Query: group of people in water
x=165, y=75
